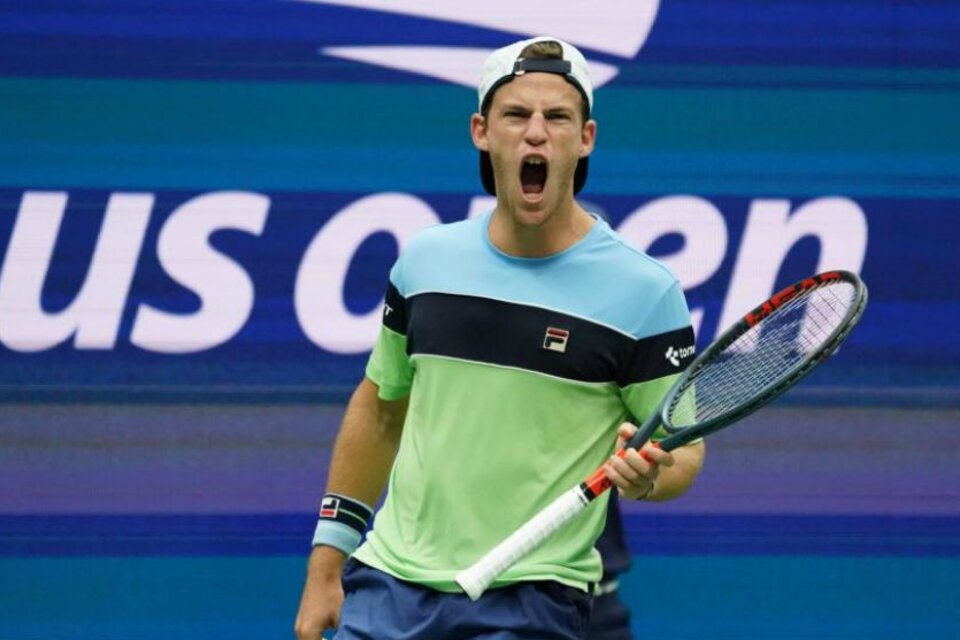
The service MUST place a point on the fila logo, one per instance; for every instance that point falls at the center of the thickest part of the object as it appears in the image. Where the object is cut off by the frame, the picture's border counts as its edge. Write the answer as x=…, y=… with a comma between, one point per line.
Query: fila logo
x=674, y=355
x=329, y=507
x=556, y=339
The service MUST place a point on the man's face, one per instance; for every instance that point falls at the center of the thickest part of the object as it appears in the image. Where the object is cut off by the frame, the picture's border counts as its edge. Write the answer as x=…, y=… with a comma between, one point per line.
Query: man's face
x=535, y=135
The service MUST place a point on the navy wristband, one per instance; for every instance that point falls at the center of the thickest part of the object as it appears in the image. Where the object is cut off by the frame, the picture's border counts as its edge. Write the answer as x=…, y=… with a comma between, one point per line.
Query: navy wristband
x=342, y=522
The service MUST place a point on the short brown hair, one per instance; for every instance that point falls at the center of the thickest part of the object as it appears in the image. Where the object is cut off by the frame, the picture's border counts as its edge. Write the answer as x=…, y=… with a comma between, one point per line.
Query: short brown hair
x=542, y=50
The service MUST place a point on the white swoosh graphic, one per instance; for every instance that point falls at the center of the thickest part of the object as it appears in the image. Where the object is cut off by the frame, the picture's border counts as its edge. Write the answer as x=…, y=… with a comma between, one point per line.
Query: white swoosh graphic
x=617, y=27
x=459, y=66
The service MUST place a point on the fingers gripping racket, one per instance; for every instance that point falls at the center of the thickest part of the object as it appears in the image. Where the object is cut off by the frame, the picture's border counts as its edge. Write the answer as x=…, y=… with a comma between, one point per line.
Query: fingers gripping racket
x=765, y=353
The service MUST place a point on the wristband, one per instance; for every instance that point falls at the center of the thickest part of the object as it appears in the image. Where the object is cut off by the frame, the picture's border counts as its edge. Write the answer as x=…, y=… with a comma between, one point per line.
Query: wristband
x=342, y=522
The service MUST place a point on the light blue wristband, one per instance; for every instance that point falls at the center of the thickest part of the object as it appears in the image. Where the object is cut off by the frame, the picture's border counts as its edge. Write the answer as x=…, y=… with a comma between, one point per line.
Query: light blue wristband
x=342, y=523
x=337, y=535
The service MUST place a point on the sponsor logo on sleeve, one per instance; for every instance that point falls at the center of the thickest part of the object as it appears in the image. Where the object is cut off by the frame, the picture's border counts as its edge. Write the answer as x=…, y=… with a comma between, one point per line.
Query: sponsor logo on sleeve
x=674, y=355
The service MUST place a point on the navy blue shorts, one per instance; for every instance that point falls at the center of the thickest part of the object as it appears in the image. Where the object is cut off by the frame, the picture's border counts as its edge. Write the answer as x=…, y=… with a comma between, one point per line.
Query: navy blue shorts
x=609, y=619
x=378, y=606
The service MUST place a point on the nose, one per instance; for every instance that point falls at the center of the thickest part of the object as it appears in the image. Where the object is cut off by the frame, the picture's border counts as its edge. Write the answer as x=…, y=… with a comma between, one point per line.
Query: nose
x=536, y=133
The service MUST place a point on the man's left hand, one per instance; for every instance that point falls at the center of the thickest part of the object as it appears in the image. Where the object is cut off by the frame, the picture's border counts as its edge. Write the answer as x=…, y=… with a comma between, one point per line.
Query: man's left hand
x=635, y=474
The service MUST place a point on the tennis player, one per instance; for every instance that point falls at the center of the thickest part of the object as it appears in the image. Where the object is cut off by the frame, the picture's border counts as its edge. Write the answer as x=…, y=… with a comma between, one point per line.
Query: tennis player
x=513, y=347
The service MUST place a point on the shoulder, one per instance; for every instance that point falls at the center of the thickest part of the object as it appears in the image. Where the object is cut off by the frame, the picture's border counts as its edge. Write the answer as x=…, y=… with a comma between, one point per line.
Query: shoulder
x=434, y=249
x=442, y=237
x=636, y=269
x=653, y=299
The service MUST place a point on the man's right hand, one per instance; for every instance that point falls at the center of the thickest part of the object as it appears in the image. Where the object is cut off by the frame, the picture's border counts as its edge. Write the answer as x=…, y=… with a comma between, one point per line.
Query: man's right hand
x=322, y=594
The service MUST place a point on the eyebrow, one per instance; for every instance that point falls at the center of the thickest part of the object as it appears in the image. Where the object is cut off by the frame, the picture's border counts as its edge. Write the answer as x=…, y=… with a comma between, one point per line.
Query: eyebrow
x=557, y=110
x=513, y=106
x=566, y=111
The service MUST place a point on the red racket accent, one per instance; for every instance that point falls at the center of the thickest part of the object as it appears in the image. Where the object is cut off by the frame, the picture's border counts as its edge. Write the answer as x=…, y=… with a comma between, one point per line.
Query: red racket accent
x=782, y=297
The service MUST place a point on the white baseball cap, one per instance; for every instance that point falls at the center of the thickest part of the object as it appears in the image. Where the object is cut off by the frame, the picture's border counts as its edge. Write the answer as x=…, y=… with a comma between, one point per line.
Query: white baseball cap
x=506, y=63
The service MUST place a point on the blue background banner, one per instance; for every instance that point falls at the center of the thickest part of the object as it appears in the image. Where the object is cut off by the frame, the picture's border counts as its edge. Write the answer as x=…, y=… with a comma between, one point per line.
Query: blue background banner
x=907, y=261
x=199, y=204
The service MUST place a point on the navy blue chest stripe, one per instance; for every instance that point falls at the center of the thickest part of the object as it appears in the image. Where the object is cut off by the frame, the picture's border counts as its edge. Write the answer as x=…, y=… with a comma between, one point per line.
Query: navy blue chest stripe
x=531, y=338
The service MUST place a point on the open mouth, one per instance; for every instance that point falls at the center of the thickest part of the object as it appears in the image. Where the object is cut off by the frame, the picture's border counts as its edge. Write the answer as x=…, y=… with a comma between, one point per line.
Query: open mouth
x=533, y=174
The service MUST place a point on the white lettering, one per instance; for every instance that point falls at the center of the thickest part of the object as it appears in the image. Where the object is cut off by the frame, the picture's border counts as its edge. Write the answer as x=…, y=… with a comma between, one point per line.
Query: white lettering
x=318, y=295
x=93, y=317
x=839, y=224
x=224, y=287
x=225, y=290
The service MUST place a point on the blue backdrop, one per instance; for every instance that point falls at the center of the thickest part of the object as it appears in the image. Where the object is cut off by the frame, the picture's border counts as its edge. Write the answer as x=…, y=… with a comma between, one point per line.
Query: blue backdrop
x=199, y=203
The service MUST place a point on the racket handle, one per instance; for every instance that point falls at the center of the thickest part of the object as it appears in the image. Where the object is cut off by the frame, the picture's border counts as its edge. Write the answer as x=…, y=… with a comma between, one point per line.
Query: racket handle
x=484, y=571
x=599, y=482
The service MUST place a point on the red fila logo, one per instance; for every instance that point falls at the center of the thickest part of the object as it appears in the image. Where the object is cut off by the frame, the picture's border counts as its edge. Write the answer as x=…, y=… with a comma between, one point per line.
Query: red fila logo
x=329, y=507
x=556, y=339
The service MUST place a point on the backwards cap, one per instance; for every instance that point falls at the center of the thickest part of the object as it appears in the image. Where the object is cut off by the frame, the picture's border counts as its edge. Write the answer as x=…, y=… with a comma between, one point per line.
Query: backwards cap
x=504, y=64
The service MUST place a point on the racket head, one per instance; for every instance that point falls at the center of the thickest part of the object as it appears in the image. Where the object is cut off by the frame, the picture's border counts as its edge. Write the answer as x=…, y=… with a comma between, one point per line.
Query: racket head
x=766, y=352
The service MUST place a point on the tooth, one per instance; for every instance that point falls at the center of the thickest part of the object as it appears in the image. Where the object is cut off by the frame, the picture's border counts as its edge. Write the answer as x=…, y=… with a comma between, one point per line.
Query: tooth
x=534, y=160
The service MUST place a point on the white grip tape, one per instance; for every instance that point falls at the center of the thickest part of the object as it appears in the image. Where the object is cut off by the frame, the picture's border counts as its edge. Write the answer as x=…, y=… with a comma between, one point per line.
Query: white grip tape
x=484, y=571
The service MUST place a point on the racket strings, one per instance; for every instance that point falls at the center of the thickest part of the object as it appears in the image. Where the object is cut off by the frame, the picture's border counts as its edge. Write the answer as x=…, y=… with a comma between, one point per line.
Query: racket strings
x=764, y=355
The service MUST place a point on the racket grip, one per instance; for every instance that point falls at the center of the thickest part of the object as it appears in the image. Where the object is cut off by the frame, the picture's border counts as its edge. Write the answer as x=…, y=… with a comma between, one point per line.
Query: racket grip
x=599, y=482
x=484, y=571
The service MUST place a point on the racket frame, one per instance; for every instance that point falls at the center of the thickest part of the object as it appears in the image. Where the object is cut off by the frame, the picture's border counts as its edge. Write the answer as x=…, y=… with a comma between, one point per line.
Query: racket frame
x=679, y=436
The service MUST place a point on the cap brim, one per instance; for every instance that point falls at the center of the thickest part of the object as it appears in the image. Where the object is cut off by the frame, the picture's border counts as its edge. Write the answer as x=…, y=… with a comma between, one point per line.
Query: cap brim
x=490, y=185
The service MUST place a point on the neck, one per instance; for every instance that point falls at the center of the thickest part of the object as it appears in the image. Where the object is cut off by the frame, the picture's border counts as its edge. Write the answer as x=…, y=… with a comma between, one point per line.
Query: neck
x=558, y=231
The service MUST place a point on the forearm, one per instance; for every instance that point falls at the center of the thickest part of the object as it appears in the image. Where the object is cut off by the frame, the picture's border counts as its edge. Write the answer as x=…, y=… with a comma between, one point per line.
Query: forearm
x=366, y=445
x=674, y=481
x=362, y=458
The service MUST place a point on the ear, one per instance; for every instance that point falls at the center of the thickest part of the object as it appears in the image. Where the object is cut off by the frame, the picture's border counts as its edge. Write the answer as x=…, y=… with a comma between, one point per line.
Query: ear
x=588, y=138
x=478, y=131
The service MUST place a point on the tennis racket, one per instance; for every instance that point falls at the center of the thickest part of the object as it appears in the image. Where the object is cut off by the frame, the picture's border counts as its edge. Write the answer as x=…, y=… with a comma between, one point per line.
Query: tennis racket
x=765, y=353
